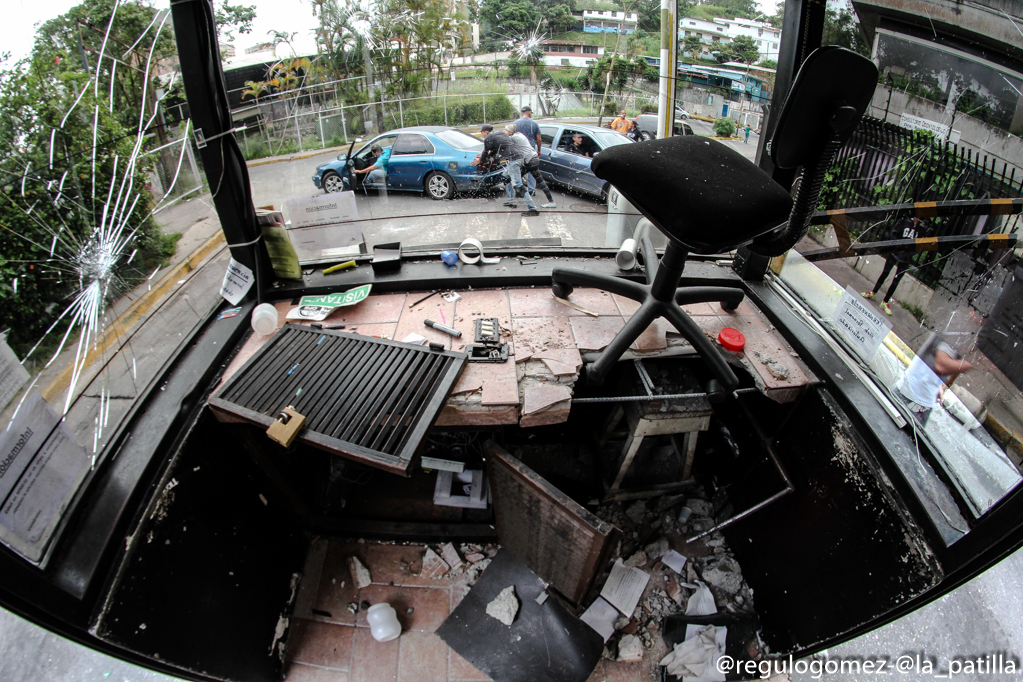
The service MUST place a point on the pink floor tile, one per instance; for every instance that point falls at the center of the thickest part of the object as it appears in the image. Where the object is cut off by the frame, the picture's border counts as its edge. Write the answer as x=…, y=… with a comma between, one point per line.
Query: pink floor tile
x=539, y=302
x=500, y=383
x=374, y=661
x=325, y=645
x=538, y=334
x=398, y=564
x=593, y=333
x=376, y=308
x=422, y=657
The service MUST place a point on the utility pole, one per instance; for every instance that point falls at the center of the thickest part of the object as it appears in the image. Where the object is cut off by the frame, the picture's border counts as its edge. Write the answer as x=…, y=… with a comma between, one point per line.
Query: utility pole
x=368, y=63
x=669, y=69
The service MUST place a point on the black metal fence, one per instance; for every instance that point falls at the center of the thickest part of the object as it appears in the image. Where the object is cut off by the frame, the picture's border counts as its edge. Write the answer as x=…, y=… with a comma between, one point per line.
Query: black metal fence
x=885, y=164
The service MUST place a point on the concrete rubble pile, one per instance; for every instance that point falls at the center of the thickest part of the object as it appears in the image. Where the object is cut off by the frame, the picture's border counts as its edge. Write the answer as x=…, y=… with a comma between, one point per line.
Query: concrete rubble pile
x=650, y=530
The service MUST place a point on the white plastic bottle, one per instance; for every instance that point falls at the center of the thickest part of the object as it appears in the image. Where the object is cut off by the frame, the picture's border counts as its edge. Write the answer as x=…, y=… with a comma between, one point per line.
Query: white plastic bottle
x=383, y=622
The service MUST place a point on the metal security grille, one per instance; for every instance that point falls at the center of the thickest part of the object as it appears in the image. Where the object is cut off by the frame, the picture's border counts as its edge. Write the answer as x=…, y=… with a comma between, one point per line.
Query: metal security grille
x=368, y=399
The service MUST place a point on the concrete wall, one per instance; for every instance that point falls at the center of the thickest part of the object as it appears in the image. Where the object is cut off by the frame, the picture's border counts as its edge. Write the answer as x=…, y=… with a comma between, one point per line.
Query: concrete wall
x=695, y=101
x=976, y=135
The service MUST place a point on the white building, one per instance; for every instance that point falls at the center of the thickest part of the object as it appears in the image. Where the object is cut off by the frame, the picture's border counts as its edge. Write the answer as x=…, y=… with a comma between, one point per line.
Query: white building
x=597, y=21
x=569, y=53
x=723, y=31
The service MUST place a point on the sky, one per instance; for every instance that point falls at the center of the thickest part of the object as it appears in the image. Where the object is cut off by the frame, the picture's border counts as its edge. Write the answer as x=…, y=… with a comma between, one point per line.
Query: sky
x=21, y=16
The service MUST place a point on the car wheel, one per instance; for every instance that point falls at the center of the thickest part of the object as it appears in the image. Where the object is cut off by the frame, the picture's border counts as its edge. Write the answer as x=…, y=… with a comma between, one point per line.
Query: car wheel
x=332, y=183
x=644, y=136
x=439, y=185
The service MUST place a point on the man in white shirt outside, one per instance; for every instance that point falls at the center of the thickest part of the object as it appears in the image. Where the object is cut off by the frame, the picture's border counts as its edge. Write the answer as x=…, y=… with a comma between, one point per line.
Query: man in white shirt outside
x=530, y=164
x=531, y=131
x=936, y=363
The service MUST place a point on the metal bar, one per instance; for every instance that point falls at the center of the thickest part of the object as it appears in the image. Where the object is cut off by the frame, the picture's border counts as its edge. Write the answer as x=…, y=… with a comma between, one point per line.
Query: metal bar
x=370, y=391
x=240, y=382
x=393, y=426
x=311, y=366
x=377, y=427
x=354, y=354
x=335, y=361
x=434, y=402
x=371, y=411
x=648, y=384
x=396, y=440
x=649, y=398
x=352, y=389
x=273, y=381
x=936, y=244
x=268, y=367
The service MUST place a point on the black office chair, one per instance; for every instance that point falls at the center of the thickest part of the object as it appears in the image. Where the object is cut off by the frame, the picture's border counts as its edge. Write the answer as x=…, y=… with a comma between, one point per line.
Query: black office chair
x=707, y=198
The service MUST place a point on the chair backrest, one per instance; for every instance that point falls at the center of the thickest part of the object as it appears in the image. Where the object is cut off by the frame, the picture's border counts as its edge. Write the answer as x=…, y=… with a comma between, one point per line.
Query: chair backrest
x=829, y=95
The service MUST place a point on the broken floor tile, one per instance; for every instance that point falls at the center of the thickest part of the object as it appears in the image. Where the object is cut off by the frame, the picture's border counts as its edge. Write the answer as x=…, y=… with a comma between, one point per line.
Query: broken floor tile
x=539, y=397
x=500, y=384
x=450, y=556
x=535, y=335
x=360, y=574
x=433, y=565
x=594, y=333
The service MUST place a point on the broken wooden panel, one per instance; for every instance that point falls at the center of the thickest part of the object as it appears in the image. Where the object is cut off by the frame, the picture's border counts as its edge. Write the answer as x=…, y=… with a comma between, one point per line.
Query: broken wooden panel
x=367, y=399
x=557, y=538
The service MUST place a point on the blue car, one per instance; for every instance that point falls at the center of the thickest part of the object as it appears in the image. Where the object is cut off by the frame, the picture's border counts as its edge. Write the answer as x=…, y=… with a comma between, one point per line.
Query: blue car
x=431, y=159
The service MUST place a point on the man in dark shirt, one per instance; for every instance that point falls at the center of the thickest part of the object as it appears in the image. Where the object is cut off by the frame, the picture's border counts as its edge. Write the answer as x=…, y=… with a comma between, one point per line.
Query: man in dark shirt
x=497, y=144
x=578, y=146
x=907, y=228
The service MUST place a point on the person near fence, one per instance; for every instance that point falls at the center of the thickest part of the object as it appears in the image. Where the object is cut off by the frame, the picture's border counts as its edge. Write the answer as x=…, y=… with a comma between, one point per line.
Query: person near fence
x=906, y=228
x=530, y=129
x=530, y=165
x=497, y=144
x=936, y=365
x=622, y=123
x=377, y=171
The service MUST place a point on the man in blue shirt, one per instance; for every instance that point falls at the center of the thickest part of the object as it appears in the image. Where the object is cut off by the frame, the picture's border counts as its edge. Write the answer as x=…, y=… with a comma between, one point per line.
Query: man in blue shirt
x=378, y=169
x=531, y=130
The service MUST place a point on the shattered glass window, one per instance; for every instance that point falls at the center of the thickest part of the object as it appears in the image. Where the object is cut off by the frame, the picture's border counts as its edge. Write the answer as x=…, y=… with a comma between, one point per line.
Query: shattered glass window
x=934, y=288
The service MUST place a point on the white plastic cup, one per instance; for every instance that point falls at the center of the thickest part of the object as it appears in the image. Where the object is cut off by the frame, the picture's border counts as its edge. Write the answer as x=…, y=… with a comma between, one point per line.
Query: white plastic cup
x=383, y=622
x=626, y=256
x=264, y=319
x=684, y=514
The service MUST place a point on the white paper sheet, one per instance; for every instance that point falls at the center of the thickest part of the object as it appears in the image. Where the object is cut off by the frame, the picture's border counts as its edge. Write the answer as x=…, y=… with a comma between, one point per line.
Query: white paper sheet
x=237, y=282
x=674, y=561
x=624, y=587
x=12, y=374
x=710, y=673
x=601, y=616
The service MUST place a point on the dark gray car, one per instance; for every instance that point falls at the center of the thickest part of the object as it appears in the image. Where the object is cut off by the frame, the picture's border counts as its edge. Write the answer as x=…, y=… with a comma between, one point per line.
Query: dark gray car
x=648, y=126
x=570, y=166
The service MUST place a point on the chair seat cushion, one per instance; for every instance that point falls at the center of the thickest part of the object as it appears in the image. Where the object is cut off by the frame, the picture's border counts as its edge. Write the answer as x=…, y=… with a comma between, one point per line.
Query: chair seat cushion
x=699, y=192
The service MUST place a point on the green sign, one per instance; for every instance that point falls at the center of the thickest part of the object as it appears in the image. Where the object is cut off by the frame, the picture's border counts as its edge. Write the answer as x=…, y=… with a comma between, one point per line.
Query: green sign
x=319, y=307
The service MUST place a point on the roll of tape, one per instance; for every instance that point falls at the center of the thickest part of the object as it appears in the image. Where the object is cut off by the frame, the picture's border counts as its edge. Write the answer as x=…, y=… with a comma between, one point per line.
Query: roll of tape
x=471, y=243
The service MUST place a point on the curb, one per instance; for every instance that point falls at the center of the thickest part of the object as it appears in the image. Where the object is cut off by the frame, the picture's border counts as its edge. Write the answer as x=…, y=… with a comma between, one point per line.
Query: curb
x=279, y=159
x=135, y=311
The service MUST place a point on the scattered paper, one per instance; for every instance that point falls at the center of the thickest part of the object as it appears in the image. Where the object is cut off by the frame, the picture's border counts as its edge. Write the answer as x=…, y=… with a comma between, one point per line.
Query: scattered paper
x=601, y=616
x=674, y=561
x=237, y=282
x=415, y=339
x=696, y=658
x=624, y=587
x=702, y=602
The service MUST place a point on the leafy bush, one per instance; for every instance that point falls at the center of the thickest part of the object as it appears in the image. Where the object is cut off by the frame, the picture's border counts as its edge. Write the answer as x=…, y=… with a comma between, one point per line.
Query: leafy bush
x=724, y=127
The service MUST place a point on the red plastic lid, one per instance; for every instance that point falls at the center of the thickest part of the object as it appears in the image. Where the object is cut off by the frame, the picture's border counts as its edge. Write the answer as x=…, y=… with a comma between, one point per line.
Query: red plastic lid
x=732, y=339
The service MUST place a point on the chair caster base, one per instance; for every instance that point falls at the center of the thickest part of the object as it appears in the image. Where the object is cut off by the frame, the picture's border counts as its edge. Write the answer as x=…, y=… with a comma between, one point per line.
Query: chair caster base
x=562, y=289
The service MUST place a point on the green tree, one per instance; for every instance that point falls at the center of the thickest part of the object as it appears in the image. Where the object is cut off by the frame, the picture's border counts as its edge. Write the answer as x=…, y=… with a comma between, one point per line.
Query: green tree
x=744, y=49
x=842, y=28
x=692, y=46
x=231, y=18
x=59, y=191
x=559, y=18
x=724, y=127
